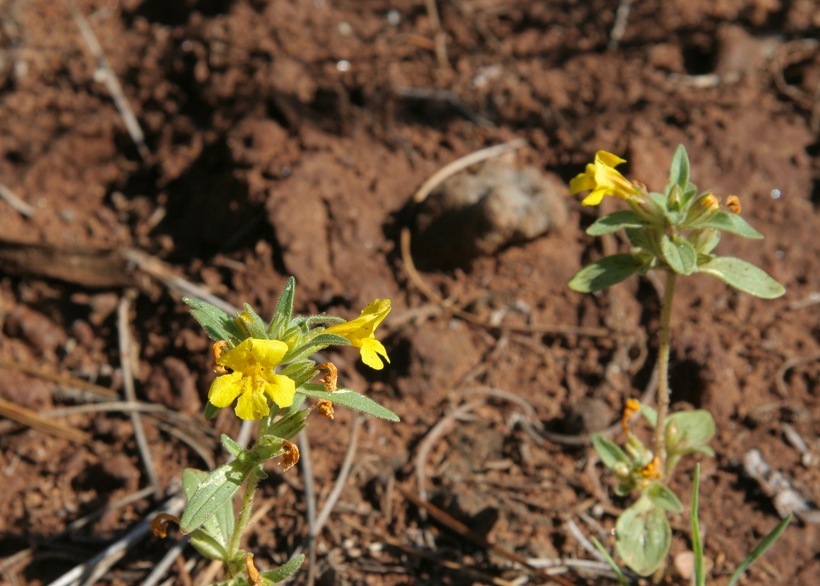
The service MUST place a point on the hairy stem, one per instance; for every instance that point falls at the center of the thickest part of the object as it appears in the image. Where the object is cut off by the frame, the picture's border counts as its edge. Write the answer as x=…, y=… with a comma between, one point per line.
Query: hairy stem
x=244, y=515
x=663, y=368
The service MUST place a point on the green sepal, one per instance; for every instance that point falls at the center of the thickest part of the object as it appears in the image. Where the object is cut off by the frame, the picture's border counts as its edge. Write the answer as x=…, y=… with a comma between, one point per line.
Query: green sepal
x=743, y=276
x=235, y=449
x=350, y=399
x=729, y=222
x=689, y=192
x=284, y=309
x=284, y=571
x=643, y=536
x=615, y=221
x=679, y=255
x=324, y=320
x=290, y=425
x=664, y=498
x=267, y=447
x=212, y=493
x=300, y=372
x=211, y=410
x=216, y=323
x=314, y=344
x=251, y=323
x=605, y=272
x=609, y=452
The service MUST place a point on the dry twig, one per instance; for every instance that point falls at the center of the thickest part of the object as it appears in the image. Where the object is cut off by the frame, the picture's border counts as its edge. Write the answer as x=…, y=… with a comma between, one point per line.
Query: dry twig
x=126, y=363
x=132, y=125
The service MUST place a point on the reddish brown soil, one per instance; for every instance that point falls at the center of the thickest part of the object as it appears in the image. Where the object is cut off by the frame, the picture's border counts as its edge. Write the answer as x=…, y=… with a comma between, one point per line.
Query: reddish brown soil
x=283, y=139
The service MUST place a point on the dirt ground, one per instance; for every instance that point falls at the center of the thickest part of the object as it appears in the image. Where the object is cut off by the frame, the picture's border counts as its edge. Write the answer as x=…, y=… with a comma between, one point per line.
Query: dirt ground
x=288, y=137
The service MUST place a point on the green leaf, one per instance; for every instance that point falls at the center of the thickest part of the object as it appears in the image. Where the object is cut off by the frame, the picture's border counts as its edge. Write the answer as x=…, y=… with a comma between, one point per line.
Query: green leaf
x=609, y=452
x=743, y=276
x=728, y=222
x=207, y=545
x=615, y=221
x=650, y=414
x=284, y=571
x=314, y=344
x=679, y=169
x=350, y=399
x=284, y=307
x=761, y=548
x=213, y=492
x=216, y=323
x=679, y=255
x=697, y=542
x=220, y=526
x=664, y=498
x=605, y=272
x=694, y=430
x=615, y=568
x=643, y=536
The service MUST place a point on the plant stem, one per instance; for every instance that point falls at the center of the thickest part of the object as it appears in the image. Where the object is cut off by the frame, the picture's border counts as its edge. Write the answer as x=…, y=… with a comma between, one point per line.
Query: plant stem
x=244, y=515
x=663, y=369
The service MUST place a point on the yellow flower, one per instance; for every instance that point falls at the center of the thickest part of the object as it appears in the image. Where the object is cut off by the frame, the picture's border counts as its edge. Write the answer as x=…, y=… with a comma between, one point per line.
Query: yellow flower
x=360, y=332
x=252, y=379
x=602, y=178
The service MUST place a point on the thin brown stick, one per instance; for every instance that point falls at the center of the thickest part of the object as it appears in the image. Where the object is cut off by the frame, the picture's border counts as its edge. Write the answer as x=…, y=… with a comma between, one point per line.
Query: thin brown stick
x=462, y=163
x=126, y=362
x=132, y=125
x=16, y=202
x=36, y=421
x=64, y=380
x=441, y=37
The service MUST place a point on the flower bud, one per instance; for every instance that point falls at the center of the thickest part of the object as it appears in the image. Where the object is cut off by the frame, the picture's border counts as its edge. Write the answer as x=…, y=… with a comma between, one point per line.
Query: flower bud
x=675, y=198
x=621, y=470
x=703, y=208
x=671, y=435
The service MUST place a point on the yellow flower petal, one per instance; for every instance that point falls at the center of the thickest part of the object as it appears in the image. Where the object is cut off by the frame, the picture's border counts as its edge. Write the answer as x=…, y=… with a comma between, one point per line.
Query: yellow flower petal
x=252, y=405
x=280, y=389
x=254, y=351
x=371, y=348
x=225, y=389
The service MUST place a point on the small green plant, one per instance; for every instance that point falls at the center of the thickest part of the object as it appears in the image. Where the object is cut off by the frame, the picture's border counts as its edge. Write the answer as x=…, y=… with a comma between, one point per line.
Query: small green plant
x=265, y=370
x=676, y=233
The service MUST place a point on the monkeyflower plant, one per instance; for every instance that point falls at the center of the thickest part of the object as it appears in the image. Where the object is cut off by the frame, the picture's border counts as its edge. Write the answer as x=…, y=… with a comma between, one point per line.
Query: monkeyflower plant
x=674, y=232
x=266, y=373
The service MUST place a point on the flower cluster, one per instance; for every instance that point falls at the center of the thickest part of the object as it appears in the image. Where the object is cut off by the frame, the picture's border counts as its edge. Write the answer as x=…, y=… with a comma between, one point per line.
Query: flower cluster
x=263, y=364
x=676, y=230
x=266, y=371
